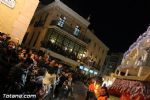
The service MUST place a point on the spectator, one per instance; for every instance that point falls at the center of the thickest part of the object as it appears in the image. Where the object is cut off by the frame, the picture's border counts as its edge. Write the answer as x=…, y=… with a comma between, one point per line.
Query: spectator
x=103, y=94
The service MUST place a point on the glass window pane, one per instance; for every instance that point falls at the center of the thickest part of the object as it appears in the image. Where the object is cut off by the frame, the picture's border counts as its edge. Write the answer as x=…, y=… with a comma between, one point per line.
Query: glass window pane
x=65, y=43
x=71, y=45
x=59, y=40
x=53, y=37
x=49, y=33
x=76, y=48
x=76, y=31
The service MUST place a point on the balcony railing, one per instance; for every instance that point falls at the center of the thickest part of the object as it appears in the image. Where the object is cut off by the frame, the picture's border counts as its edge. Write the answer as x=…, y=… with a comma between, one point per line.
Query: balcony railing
x=60, y=50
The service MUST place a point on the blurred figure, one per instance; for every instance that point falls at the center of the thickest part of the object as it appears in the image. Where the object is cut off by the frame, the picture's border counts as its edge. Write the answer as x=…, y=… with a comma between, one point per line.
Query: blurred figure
x=18, y=75
x=48, y=82
x=103, y=94
x=64, y=91
x=91, y=91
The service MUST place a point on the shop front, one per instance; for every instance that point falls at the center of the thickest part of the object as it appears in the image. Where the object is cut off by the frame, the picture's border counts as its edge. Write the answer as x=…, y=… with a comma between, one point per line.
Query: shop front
x=88, y=71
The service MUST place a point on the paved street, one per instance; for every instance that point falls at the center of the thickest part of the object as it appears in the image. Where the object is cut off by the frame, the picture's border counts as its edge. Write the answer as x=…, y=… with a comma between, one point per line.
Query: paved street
x=79, y=92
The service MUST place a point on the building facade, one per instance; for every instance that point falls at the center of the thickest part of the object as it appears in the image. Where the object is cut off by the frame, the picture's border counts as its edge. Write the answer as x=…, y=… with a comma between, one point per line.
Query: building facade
x=112, y=61
x=64, y=34
x=15, y=17
x=133, y=75
x=136, y=61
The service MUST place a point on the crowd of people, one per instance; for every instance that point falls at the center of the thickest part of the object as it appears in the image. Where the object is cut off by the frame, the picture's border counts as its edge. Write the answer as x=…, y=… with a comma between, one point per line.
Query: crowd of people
x=31, y=71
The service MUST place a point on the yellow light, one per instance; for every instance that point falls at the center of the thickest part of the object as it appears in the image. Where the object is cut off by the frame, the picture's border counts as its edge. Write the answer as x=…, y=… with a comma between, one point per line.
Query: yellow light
x=52, y=40
x=97, y=86
x=147, y=40
x=70, y=49
x=83, y=55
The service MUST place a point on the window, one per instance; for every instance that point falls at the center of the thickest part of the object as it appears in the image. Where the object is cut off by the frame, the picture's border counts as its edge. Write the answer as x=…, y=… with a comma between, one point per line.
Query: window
x=76, y=48
x=53, y=37
x=49, y=33
x=81, y=67
x=61, y=21
x=81, y=53
x=76, y=31
x=71, y=46
x=59, y=40
x=66, y=43
x=91, y=71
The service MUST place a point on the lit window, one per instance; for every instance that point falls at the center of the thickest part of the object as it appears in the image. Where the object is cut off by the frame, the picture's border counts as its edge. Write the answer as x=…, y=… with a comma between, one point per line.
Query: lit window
x=86, y=69
x=61, y=21
x=95, y=73
x=81, y=67
x=76, y=31
x=91, y=71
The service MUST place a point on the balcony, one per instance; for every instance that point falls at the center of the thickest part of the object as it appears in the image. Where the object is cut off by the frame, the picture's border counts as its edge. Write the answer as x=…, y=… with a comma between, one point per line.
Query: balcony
x=60, y=50
x=70, y=30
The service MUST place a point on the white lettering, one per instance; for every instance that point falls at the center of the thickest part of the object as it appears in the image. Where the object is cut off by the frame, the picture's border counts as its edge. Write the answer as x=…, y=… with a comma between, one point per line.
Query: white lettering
x=9, y=3
x=19, y=96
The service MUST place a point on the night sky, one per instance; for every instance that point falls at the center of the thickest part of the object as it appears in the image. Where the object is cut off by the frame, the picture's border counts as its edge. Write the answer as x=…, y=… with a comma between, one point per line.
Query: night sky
x=118, y=23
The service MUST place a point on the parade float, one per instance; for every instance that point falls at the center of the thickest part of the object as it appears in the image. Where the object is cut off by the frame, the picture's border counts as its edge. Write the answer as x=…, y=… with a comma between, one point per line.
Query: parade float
x=133, y=75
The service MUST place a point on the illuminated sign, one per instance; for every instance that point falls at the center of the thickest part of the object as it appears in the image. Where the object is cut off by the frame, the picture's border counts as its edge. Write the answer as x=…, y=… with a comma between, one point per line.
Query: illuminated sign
x=81, y=67
x=91, y=71
x=95, y=73
x=86, y=69
x=9, y=3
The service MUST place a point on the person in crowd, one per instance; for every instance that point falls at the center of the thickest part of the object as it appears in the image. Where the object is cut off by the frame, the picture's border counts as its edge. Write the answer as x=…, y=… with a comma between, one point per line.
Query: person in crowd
x=64, y=91
x=103, y=94
x=31, y=71
x=18, y=75
x=97, y=88
x=70, y=89
x=62, y=78
x=91, y=92
x=48, y=82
